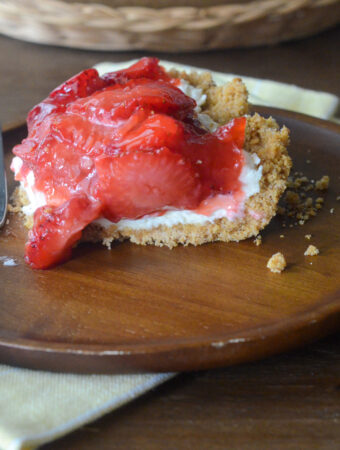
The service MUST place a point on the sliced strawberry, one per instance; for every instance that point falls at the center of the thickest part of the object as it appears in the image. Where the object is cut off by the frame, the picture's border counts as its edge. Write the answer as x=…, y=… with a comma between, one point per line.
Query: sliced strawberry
x=223, y=164
x=144, y=68
x=217, y=157
x=117, y=103
x=154, y=132
x=26, y=149
x=81, y=85
x=140, y=183
x=57, y=229
x=87, y=82
x=233, y=133
x=229, y=155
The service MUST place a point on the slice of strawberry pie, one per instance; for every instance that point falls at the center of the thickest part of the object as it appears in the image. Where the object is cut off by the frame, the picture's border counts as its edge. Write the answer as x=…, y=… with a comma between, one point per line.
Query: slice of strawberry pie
x=152, y=156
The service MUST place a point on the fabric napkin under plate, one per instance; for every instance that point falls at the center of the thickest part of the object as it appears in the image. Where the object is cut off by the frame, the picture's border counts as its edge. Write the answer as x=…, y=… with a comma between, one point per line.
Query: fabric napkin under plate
x=38, y=407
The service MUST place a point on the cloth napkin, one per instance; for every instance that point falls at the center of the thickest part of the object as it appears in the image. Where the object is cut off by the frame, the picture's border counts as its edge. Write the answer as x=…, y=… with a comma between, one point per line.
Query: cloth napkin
x=37, y=407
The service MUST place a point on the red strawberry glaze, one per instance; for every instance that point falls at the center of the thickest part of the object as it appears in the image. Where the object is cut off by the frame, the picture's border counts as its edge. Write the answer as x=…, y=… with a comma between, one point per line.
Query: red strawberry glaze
x=57, y=229
x=122, y=146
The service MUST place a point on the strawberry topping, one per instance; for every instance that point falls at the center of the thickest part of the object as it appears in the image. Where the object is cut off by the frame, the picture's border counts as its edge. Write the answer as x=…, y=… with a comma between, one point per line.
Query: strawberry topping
x=121, y=146
x=141, y=181
x=57, y=229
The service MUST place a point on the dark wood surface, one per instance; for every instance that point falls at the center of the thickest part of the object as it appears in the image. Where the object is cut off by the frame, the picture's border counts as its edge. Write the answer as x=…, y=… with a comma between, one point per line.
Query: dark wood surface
x=289, y=401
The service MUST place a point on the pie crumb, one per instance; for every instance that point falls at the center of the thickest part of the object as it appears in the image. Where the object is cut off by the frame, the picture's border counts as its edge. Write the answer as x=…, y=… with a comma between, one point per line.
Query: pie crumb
x=311, y=251
x=13, y=208
x=323, y=183
x=258, y=240
x=277, y=263
x=308, y=236
x=292, y=198
x=303, y=199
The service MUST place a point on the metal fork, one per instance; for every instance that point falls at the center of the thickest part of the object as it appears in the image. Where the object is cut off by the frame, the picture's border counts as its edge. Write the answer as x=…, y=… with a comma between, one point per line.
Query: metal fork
x=3, y=185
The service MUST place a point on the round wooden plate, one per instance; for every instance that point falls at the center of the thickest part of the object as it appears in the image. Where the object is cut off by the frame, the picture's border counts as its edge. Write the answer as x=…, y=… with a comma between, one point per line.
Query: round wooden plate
x=137, y=309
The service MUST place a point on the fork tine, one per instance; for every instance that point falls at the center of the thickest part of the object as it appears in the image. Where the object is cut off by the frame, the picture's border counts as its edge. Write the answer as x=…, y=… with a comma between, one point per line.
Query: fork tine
x=3, y=184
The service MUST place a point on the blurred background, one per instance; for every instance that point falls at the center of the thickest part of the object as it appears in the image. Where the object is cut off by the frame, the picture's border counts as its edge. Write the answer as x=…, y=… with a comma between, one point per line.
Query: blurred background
x=273, y=39
x=165, y=25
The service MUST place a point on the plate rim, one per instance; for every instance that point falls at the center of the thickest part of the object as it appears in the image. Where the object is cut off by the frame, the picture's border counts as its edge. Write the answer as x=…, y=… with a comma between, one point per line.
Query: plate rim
x=319, y=311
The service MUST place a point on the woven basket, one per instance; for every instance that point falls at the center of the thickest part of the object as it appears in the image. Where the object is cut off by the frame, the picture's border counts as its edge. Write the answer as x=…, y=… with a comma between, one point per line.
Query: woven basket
x=165, y=25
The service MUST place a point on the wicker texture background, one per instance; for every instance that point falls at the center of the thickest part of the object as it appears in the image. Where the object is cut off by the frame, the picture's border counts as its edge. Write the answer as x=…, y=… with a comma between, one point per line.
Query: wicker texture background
x=178, y=28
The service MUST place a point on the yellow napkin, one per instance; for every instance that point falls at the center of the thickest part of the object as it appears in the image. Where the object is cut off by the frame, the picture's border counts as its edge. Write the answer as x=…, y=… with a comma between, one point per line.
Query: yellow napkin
x=38, y=407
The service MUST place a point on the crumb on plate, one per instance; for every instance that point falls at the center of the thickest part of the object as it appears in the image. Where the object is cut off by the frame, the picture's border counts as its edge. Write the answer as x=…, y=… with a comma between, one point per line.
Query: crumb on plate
x=311, y=251
x=323, y=183
x=300, y=202
x=258, y=240
x=276, y=263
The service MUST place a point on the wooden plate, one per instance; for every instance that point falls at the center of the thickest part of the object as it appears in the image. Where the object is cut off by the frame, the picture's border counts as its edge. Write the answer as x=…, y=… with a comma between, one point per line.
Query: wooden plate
x=137, y=308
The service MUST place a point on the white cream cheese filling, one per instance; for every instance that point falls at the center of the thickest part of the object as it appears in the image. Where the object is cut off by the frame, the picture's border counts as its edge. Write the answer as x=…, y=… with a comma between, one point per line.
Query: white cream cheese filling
x=169, y=219
x=197, y=94
x=250, y=178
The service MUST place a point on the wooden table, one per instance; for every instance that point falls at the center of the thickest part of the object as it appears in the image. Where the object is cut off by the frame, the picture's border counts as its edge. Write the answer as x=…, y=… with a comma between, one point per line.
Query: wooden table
x=290, y=401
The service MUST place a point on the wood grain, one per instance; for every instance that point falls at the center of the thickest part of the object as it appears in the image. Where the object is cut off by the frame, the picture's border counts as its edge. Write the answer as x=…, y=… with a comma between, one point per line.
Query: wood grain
x=288, y=402
x=153, y=309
